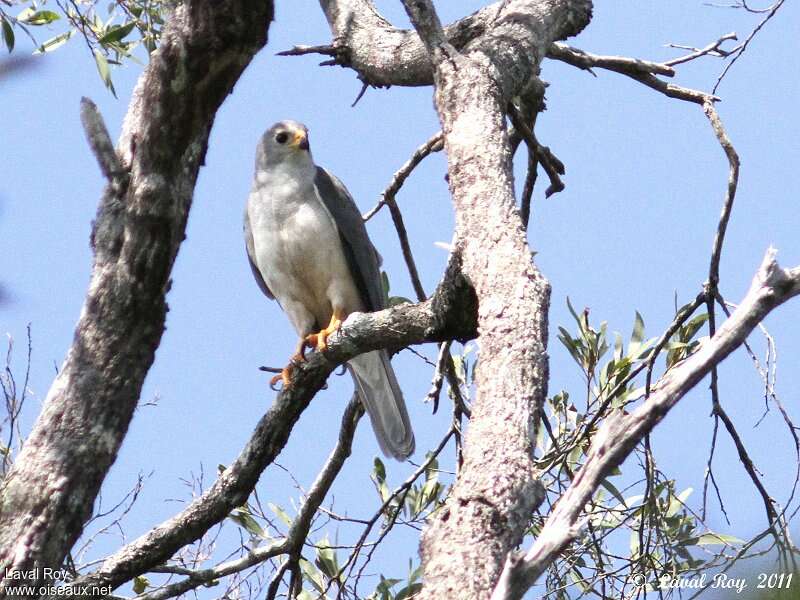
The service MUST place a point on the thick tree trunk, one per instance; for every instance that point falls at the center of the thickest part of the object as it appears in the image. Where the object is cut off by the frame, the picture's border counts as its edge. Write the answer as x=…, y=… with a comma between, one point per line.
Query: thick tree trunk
x=466, y=543
x=50, y=492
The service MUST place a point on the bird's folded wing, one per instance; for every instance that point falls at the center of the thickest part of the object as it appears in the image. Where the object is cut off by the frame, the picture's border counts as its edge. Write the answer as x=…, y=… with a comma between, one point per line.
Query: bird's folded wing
x=362, y=258
x=251, y=256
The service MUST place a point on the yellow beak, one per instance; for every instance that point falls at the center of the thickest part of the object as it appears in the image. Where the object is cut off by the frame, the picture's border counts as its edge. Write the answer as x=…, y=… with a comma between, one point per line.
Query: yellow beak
x=300, y=140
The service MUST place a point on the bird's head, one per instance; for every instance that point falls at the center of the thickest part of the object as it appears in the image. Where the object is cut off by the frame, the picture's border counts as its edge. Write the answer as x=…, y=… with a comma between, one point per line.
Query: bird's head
x=284, y=142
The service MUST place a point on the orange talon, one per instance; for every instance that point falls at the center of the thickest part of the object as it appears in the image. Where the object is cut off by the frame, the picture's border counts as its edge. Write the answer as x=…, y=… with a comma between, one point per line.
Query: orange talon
x=320, y=340
x=310, y=341
x=283, y=376
x=286, y=373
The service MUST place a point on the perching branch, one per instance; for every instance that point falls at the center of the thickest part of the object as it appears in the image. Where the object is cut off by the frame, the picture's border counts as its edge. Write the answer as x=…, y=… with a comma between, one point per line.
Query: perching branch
x=449, y=314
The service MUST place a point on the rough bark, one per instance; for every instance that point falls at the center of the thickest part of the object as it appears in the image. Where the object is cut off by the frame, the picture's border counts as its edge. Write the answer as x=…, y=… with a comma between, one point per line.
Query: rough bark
x=466, y=543
x=50, y=492
x=384, y=55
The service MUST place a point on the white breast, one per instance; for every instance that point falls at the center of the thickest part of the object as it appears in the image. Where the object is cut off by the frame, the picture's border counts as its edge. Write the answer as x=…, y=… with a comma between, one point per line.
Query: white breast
x=298, y=250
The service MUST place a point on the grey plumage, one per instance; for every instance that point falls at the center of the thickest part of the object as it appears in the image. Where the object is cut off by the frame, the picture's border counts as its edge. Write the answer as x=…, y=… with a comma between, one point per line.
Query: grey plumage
x=308, y=249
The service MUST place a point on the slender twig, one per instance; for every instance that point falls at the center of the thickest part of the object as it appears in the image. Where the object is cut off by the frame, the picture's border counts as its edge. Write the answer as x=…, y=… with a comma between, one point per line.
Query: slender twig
x=438, y=376
x=434, y=144
x=713, y=49
x=400, y=490
x=632, y=67
x=709, y=476
x=550, y=163
x=733, y=181
x=772, y=10
x=405, y=245
x=643, y=71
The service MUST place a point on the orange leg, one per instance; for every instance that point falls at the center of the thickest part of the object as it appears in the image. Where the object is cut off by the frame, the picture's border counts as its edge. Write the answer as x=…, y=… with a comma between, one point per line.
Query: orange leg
x=320, y=340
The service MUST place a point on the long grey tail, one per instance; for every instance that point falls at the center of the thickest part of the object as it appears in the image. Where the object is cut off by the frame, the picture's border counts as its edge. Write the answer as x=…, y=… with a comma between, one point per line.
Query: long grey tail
x=383, y=401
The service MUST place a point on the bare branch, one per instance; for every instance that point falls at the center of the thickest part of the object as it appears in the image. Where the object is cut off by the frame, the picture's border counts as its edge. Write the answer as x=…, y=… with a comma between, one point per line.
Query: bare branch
x=771, y=13
x=733, y=181
x=552, y=166
x=642, y=71
x=620, y=433
x=713, y=49
x=100, y=141
x=434, y=144
x=292, y=543
x=405, y=245
x=633, y=67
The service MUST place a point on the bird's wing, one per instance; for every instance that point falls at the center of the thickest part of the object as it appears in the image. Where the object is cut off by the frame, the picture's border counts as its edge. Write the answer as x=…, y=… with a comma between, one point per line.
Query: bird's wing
x=362, y=258
x=251, y=256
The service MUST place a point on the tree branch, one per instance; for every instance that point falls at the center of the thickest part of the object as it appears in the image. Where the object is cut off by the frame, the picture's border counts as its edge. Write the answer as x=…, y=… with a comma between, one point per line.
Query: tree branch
x=100, y=143
x=620, y=433
x=384, y=55
x=466, y=542
x=449, y=314
x=298, y=532
x=641, y=70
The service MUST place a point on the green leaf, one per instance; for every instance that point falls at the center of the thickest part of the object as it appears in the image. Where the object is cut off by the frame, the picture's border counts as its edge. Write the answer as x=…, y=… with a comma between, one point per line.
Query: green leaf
x=105, y=72
x=39, y=17
x=571, y=345
x=326, y=560
x=117, y=33
x=8, y=35
x=573, y=313
x=408, y=591
x=312, y=575
x=242, y=517
x=379, y=470
x=55, y=42
x=713, y=539
x=677, y=502
x=693, y=326
x=397, y=300
x=382, y=589
x=140, y=584
x=282, y=515
x=385, y=284
x=638, y=328
x=613, y=489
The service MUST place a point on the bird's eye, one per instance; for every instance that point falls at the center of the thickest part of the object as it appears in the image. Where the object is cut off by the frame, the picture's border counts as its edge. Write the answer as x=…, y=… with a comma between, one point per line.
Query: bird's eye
x=282, y=137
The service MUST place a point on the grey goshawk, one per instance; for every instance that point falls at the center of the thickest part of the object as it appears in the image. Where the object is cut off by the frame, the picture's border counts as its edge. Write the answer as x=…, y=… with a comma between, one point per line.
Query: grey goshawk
x=309, y=250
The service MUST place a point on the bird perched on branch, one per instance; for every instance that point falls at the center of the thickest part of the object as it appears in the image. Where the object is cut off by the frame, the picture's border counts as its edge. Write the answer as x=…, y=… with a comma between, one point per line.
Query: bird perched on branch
x=309, y=250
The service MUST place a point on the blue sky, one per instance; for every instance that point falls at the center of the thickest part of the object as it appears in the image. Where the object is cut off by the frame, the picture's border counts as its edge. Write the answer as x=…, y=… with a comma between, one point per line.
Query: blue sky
x=645, y=182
